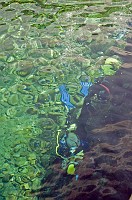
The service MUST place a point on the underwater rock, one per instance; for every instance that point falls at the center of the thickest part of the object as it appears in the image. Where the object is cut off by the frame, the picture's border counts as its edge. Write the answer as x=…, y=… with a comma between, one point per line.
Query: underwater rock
x=21, y=161
x=24, y=178
x=32, y=156
x=13, y=88
x=27, y=99
x=4, y=29
x=50, y=54
x=45, y=160
x=114, y=62
x=47, y=124
x=20, y=110
x=8, y=44
x=23, y=72
x=6, y=178
x=20, y=54
x=121, y=53
x=24, y=68
x=83, y=35
x=100, y=45
x=36, y=184
x=26, y=186
x=42, y=61
x=10, y=191
x=81, y=61
x=16, y=111
x=1, y=185
x=108, y=69
x=11, y=112
x=35, y=144
x=3, y=57
x=100, y=60
x=26, y=88
x=13, y=99
x=50, y=42
x=32, y=111
x=56, y=110
x=10, y=59
x=35, y=53
x=61, y=120
x=42, y=81
x=24, y=134
x=110, y=66
x=77, y=100
x=2, y=66
x=46, y=70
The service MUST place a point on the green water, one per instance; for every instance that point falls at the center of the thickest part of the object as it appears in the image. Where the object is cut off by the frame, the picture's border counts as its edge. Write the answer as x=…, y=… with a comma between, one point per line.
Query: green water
x=45, y=44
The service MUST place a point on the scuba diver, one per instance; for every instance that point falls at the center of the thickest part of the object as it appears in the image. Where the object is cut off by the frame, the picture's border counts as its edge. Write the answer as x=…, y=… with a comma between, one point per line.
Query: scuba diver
x=69, y=146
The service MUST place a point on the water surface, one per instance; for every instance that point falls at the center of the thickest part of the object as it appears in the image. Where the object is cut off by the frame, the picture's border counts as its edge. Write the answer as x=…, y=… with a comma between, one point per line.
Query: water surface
x=45, y=44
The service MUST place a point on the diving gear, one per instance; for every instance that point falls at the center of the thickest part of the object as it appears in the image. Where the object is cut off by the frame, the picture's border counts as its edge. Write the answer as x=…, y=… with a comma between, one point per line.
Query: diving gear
x=65, y=97
x=85, y=87
x=71, y=169
x=72, y=140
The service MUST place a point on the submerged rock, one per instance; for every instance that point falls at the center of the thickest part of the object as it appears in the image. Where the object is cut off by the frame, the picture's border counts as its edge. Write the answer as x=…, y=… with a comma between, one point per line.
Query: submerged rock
x=32, y=111
x=13, y=99
x=24, y=67
x=6, y=178
x=108, y=69
x=114, y=62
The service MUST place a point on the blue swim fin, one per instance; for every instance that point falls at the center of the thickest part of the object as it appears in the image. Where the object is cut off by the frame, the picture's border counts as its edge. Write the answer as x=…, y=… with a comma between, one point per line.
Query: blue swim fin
x=65, y=97
x=85, y=87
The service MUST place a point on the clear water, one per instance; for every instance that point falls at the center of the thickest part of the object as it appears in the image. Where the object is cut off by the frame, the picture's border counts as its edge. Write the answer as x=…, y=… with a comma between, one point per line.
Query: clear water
x=45, y=44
